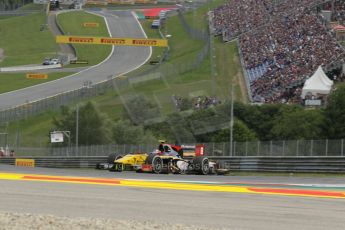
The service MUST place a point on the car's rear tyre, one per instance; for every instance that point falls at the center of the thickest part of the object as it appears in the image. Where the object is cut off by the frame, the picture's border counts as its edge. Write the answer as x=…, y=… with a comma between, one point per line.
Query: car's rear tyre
x=180, y=152
x=201, y=165
x=120, y=167
x=111, y=158
x=149, y=159
x=118, y=157
x=157, y=164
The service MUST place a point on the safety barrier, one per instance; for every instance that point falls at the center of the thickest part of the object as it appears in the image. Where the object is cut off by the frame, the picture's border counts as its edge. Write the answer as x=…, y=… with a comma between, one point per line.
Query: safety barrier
x=59, y=162
x=284, y=164
x=29, y=68
x=249, y=164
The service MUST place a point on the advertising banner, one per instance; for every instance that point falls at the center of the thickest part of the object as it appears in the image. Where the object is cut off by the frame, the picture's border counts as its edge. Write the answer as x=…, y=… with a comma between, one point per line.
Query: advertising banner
x=91, y=24
x=313, y=102
x=112, y=41
x=25, y=162
x=79, y=62
x=97, y=2
x=56, y=137
x=36, y=76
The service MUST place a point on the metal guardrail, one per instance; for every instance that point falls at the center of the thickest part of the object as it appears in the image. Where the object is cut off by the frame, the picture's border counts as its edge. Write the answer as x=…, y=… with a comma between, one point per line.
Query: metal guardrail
x=285, y=164
x=247, y=164
x=59, y=162
x=15, y=13
x=30, y=68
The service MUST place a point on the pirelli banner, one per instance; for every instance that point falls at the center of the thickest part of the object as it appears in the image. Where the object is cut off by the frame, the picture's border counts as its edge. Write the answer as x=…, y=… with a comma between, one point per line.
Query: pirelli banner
x=91, y=24
x=25, y=162
x=36, y=76
x=112, y=41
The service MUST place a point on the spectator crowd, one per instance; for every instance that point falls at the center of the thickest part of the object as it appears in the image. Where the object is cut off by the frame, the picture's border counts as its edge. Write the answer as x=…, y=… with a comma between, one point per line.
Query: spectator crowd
x=239, y=16
x=339, y=11
x=282, y=44
x=196, y=103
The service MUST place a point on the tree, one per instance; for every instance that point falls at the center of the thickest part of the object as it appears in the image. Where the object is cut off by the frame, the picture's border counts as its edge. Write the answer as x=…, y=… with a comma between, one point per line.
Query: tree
x=335, y=114
x=179, y=128
x=126, y=133
x=185, y=104
x=12, y=4
x=174, y=128
x=258, y=118
x=93, y=125
x=139, y=109
x=241, y=133
x=295, y=122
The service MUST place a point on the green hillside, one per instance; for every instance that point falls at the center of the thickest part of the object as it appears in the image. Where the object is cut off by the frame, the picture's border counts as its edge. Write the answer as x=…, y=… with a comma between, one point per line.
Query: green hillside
x=23, y=41
x=72, y=24
x=14, y=81
x=183, y=50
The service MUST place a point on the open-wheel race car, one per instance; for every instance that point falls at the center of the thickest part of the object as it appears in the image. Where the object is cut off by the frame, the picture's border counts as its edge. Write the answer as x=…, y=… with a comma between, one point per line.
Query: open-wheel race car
x=116, y=162
x=185, y=162
x=166, y=159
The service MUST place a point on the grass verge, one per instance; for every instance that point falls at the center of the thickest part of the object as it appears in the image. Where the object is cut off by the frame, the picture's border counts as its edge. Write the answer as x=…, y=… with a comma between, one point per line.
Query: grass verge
x=14, y=81
x=32, y=6
x=23, y=42
x=72, y=24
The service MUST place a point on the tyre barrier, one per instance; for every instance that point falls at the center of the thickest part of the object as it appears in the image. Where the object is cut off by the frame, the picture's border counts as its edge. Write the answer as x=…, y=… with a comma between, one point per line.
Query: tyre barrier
x=249, y=164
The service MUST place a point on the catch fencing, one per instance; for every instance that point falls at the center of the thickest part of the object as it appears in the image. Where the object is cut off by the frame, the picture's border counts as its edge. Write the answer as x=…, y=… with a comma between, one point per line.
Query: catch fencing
x=89, y=90
x=284, y=148
x=244, y=71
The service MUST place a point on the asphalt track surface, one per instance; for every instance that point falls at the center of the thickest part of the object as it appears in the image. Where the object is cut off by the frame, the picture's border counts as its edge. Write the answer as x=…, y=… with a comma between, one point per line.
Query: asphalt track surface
x=229, y=210
x=123, y=60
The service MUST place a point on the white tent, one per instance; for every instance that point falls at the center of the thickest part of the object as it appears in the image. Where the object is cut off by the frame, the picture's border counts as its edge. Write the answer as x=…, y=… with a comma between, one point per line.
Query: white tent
x=319, y=83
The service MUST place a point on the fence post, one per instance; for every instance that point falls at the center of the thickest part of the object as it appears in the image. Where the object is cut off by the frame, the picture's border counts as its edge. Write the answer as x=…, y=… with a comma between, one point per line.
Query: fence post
x=326, y=147
x=342, y=147
x=246, y=148
x=283, y=147
x=297, y=147
x=223, y=152
x=258, y=149
x=213, y=148
x=311, y=147
x=270, y=148
x=234, y=152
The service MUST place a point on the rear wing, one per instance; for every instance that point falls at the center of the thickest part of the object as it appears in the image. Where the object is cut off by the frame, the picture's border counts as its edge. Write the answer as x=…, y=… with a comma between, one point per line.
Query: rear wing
x=193, y=150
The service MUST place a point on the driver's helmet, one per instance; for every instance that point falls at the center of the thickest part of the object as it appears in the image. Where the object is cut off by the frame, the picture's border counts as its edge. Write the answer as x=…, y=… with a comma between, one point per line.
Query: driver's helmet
x=160, y=146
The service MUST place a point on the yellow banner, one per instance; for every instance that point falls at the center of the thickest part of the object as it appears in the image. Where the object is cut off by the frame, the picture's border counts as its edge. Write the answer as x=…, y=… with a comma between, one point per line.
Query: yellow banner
x=36, y=76
x=25, y=162
x=112, y=41
x=97, y=2
x=91, y=24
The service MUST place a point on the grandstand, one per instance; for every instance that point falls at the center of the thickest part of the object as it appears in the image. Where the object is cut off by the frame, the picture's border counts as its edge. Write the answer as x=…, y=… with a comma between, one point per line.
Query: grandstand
x=282, y=43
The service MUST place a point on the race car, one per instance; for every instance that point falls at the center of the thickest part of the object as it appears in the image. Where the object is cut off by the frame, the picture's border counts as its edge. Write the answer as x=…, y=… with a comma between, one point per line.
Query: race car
x=166, y=159
x=120, y=163
x=132, y=161
x=187, y=163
